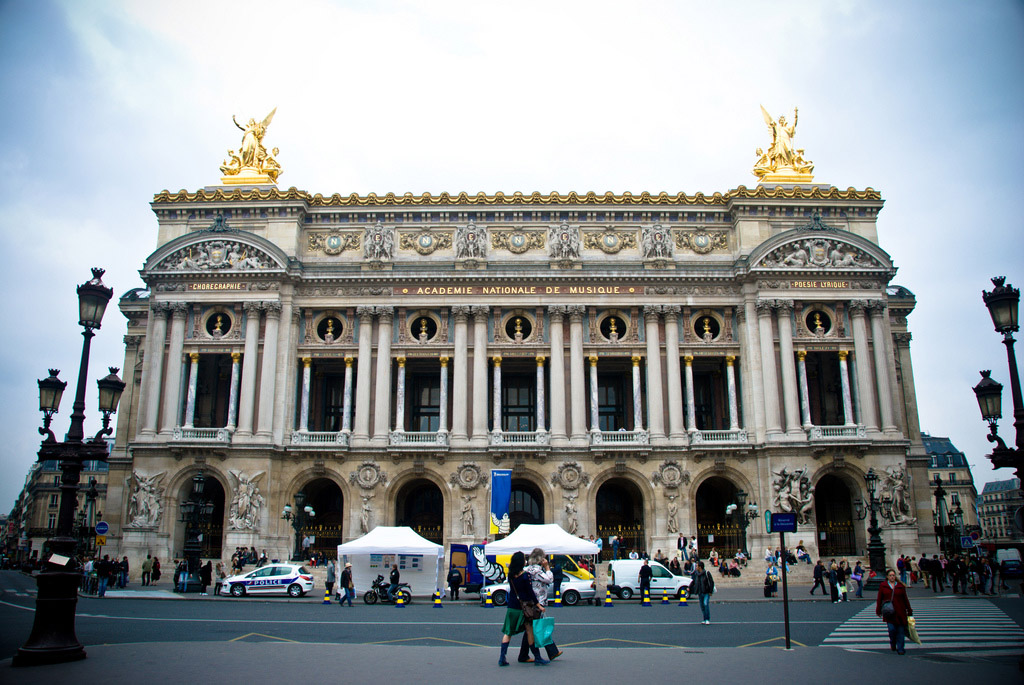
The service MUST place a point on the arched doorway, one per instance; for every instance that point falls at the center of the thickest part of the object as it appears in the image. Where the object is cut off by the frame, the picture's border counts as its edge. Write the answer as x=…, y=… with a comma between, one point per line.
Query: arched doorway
x=715, y=528
x=324, y=495
x=620, y=512
x=526, y=505
x=420, y=505
x=833, y=507
x=211, y=531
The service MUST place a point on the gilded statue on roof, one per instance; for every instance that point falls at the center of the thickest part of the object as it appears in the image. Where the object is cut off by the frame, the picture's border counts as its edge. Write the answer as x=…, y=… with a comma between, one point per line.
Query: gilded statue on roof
x=252, y=163
x=783, y=162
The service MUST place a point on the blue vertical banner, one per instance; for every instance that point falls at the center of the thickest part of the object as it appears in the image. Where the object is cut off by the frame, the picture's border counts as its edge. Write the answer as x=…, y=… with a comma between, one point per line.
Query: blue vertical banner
x=501, y=496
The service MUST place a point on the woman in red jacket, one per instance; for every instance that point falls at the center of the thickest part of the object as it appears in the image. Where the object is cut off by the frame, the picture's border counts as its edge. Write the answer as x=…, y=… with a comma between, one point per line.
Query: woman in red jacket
x=894, y=608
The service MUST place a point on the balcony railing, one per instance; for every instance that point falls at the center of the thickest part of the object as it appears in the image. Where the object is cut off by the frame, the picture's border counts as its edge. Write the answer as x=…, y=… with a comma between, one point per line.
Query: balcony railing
x=619, y=437
x=836, y=433
x=333, y=438
x=520, y=437
x=420, y=438
x=718, y=437
x=202, y=434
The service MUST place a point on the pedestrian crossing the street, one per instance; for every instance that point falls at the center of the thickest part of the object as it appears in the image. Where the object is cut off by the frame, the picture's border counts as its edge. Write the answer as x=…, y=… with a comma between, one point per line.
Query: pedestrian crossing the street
x=945, y=626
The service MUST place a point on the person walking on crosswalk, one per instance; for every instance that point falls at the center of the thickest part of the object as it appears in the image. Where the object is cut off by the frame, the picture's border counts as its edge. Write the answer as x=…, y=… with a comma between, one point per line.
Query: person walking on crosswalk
x=893, y=606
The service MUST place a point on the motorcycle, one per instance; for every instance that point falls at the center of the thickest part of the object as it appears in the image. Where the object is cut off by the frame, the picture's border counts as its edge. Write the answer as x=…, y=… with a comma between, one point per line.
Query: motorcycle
x=379, y=592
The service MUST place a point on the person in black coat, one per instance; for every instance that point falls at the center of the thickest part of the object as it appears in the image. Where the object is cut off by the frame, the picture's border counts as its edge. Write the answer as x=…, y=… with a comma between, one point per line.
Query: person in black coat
x=454, y=583
x=206, y=576
x=645, y=577
x=819, y=577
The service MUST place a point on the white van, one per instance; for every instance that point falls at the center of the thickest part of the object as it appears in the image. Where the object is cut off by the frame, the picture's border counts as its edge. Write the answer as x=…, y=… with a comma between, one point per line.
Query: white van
x=625, y=577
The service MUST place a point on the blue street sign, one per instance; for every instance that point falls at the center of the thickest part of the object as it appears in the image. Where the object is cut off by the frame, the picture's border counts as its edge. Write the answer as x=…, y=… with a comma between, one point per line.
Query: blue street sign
x=102, y=528
x=784, y=523
x=966, y=542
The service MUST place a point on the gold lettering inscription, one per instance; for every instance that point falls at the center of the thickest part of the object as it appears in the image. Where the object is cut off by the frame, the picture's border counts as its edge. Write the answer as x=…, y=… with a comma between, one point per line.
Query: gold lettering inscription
x=216, y=286
x=820, y=284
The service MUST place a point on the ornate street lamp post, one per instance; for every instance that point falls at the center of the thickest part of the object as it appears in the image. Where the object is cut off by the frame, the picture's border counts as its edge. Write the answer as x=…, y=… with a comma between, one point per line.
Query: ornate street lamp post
x=1003, y=302
x=743, y=513
x=195, y=511
x=945, y=529
x=299, y=517
x=53, y=638
x=876, y=548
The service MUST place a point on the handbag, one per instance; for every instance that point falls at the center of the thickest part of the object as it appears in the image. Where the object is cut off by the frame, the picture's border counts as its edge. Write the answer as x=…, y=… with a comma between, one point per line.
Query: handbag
x=531, y=611
x=543, y=630
x=888, y=610
x=912, y=630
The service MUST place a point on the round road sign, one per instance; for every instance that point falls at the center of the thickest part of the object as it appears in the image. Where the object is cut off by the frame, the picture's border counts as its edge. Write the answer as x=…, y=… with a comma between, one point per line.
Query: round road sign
x=102, y=528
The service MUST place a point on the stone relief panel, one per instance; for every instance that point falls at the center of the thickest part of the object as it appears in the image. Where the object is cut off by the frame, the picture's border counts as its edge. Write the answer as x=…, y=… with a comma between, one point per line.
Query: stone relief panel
x=791, y=493
x=471, y=242
x=570, y=476
x=609, y=240
x=818, y=252
x=144, y=506
x=517, y=241
x=469, y=476
x=334, y=242
x=379, y=243
x=655, y=242
x=564, y=241
x=425, y=241
x=671, y=475
x=247, y=504
x=702, y=242
x=368, y=475
x=218, y=255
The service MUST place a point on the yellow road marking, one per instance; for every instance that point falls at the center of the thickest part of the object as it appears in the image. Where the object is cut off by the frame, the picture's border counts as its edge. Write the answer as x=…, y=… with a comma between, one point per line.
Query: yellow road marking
x=269, y=637
x=754, y=644
x=426, y=637
x=632, y=642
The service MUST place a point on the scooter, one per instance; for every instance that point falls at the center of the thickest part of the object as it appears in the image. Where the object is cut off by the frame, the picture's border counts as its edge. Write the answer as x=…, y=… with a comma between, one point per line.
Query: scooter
x=379, y=592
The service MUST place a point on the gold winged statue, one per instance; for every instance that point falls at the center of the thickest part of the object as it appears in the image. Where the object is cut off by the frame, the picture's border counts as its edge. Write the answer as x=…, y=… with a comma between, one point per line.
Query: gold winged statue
x=783, y=162
x=252, y=164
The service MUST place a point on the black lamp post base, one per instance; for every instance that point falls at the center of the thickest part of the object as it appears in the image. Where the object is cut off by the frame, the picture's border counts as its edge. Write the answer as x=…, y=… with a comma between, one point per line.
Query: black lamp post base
x=53, y=639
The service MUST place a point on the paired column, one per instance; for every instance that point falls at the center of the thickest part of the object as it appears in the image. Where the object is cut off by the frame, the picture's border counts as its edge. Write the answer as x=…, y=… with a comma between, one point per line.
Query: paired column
x=691, y=405
x=307, y=362
x=265, y=422
x=655, y=397
x=190, y=397
x=844, y=377
x=769, y=377
x=362, y=422
x=497, y=395
x=879, y=342
x=790, y=399
x=154, y=367
x=247, y=393
x=557, y=314
x=346, y=402
x=752, y=374
x=675, y=396
x=865, y=393
x=730, y=376
x=400, y=396
x=578, y=398
x=540, y=394
x=638, y=413
x=442, y=412
x=460, y=375
x=480, y=313
x=805, y=402
x=172, y=386
x=236, y=364
x=595, y=410
x=382, y=404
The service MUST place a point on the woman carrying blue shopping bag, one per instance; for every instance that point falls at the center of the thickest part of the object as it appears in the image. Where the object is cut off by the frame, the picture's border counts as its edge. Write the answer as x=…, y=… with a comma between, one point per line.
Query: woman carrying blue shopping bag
x=541, y=579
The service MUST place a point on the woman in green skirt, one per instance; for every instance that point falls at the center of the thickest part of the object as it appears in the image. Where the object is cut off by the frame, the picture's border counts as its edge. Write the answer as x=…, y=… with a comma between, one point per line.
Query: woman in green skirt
x=520, y=591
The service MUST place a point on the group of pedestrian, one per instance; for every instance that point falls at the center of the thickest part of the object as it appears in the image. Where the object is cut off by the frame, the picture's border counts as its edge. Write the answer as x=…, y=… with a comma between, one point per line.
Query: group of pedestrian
x=103, y=573
x=839, y=576
x=527, y=602
x=963, y=574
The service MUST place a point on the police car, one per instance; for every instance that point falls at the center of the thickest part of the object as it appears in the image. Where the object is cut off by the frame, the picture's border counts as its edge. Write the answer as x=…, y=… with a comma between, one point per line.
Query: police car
x=290, y=579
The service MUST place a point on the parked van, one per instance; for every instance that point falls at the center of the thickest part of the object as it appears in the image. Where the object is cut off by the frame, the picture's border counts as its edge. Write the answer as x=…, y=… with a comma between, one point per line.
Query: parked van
x=479, y=569
x=625, y=579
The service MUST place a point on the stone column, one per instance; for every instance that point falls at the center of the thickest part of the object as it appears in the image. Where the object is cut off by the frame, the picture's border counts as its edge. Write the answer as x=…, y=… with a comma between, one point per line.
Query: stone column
x=638, y=413
x=382, y=399
x=730, y=375
x=153, y=368
x=480, y=314
x=442, y=412
x=496, y=408
x=791, y=401
x=773, y=423
x=865, y=391
x=558, y=436
x=175, y=350
x=346, y=402
x=247, y=393
x=540, y=394
x=190, y=397
x=655, y=401
x=307, y=362
x=577, y=390
x=268, y=371
x=879, y=343
x=675, y=396
x=400, y=396
x=460, y=375
x=752, y=375
x=844, y=376
x=595, y=409
x=284, y=375
x=236, y=364
x=913, y=422
x=805, y=401
x=361, y=432
x=691, y=404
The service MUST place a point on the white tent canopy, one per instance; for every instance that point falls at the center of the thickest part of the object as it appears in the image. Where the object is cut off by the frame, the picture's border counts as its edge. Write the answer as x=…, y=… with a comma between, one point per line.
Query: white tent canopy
x=395, y=541
x=550, y=537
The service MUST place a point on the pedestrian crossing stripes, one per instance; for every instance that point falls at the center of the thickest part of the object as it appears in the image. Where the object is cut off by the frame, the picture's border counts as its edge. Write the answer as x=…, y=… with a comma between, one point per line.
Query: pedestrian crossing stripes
x=951, y=626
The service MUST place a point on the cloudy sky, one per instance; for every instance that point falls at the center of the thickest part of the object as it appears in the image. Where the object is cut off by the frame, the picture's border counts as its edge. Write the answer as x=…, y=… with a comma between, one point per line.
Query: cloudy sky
x=108, y=103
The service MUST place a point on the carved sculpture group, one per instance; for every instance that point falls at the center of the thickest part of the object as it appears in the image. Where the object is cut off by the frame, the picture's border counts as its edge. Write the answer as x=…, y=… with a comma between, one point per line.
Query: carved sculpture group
x=818, y=252
x=792, y=493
